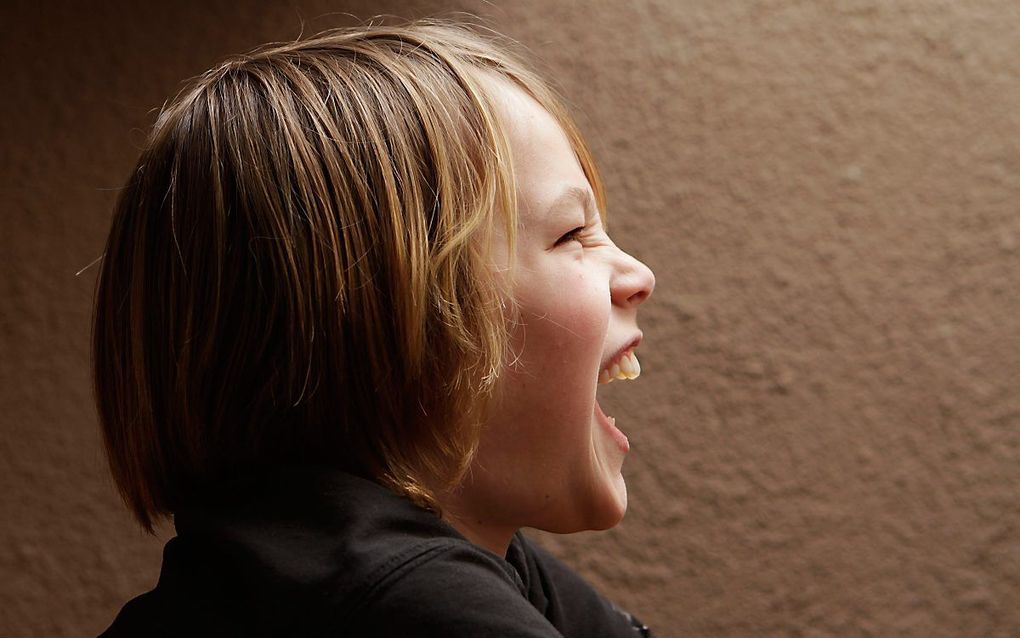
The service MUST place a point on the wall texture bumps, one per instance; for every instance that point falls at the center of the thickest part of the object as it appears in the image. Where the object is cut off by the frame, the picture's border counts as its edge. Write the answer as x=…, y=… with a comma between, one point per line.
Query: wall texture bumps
x=827, y=433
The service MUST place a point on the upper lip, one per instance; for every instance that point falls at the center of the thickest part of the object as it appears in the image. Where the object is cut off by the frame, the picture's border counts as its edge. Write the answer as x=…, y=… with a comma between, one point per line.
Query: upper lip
x=630, y=345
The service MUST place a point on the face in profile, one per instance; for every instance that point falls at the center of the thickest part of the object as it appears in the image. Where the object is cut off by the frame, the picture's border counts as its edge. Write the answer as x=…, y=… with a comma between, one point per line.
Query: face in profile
x=549, y=458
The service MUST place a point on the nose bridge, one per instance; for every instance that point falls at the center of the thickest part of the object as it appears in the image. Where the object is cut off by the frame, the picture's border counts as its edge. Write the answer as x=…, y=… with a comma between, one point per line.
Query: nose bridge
x=632, y=281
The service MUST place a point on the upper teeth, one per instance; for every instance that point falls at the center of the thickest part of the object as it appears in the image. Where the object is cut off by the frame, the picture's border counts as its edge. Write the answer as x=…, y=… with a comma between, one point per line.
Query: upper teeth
x=626, y=368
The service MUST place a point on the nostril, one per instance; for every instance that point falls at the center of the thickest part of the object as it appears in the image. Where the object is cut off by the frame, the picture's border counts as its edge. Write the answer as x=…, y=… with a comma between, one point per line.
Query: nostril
x=638, y=297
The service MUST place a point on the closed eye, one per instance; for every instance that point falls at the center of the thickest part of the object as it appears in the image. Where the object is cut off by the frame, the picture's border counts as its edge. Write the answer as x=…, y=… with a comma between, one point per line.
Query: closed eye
x=573, y=235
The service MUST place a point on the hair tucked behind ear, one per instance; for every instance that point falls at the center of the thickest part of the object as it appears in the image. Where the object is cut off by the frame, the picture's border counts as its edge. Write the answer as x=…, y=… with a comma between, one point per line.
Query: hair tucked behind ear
x=298, y=268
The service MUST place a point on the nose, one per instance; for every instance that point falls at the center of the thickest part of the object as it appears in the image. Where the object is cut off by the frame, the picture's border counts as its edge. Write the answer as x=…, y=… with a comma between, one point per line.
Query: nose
x=632, y=282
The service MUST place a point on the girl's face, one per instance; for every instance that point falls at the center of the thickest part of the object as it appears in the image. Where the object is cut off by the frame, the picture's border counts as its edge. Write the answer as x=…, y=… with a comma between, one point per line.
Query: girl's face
x=548, y=457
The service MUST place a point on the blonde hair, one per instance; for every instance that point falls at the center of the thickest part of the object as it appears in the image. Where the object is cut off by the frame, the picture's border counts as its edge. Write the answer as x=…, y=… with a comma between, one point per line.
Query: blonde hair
x=298, y=269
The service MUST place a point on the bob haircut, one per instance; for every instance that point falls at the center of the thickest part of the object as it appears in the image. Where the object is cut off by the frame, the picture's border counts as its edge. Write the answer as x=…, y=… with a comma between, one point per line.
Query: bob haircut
x=299, y=267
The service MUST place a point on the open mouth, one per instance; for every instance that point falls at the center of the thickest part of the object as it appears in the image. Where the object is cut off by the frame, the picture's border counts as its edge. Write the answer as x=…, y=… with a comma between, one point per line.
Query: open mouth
x=624, y=366
x=608, y=423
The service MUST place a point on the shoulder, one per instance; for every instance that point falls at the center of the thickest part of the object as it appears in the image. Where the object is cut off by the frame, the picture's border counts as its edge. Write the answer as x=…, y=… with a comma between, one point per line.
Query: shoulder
x=317, y=553
x=459, y=589
x=570, y=603
x=452, y=589
x=310, y=550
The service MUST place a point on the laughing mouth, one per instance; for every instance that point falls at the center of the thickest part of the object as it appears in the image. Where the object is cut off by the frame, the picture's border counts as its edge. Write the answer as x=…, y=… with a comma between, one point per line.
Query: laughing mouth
x=624, y=367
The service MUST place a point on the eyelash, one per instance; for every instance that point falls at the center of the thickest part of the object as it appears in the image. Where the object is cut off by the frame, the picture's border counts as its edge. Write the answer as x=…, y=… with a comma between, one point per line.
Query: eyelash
x=573, y=235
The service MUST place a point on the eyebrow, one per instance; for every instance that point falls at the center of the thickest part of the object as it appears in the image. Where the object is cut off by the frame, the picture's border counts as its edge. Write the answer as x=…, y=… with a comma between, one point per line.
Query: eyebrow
x=577, y=194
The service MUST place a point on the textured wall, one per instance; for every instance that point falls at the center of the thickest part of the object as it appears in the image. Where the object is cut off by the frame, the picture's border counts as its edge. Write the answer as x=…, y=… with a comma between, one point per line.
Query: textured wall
x=827, y=434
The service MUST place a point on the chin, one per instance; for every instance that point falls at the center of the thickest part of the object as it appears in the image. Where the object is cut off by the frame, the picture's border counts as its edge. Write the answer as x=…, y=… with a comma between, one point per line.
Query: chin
x=613, y=509
x=604, y=511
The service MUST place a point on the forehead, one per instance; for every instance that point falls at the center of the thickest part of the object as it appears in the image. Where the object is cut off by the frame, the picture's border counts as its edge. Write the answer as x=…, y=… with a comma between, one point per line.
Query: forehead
x=545, y=164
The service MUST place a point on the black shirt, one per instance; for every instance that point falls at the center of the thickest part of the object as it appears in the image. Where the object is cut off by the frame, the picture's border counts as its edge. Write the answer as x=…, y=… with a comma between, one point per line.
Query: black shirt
x=318, y=552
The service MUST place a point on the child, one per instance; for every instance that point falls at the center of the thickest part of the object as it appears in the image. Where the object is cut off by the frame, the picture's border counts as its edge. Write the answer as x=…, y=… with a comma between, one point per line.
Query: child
x=355, y=303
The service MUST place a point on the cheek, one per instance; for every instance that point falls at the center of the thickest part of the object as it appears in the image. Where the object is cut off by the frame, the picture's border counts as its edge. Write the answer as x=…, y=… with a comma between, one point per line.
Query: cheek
x=565, y=313
x=560, y=343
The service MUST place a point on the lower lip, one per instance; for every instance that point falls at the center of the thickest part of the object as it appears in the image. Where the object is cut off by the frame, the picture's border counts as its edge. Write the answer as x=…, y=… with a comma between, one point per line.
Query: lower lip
x=611, y=430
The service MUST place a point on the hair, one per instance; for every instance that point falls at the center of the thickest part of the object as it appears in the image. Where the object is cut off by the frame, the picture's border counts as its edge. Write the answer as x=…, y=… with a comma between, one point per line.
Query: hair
x=299, y=268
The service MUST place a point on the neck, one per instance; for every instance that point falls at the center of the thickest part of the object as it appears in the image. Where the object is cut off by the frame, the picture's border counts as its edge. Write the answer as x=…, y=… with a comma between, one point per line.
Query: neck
x=495, y=538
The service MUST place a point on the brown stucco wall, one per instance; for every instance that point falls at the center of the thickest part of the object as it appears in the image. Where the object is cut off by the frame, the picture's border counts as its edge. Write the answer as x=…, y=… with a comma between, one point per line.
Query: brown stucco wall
x=827, y=433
